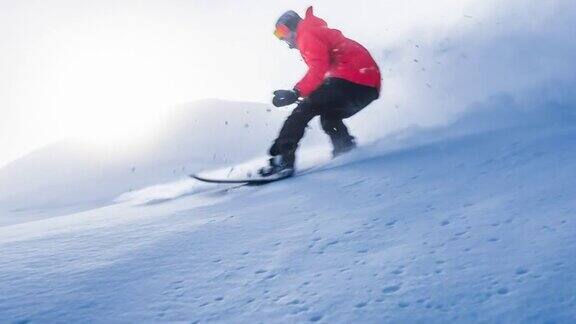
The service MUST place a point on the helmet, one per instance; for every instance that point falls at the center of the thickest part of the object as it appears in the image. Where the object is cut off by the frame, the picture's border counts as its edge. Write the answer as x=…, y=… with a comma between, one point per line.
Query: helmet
x=286, y=27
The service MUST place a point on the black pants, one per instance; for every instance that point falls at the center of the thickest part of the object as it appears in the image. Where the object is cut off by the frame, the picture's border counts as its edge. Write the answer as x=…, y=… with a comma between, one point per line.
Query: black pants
x=335, y=100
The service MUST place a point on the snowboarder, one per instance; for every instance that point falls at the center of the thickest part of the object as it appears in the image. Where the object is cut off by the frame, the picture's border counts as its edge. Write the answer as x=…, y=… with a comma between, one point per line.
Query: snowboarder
x=342, y=79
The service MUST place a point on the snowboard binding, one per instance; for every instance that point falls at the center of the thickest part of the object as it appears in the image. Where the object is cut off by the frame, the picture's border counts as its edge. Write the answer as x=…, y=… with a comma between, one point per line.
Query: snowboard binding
x=278, y=167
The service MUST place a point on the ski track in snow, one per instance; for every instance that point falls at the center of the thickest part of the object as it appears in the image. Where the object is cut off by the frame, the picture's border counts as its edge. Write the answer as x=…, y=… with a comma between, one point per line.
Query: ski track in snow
x=478, y=228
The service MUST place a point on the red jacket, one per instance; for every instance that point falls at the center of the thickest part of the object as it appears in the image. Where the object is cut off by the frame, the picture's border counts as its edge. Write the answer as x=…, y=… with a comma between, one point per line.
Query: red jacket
x=329, y=54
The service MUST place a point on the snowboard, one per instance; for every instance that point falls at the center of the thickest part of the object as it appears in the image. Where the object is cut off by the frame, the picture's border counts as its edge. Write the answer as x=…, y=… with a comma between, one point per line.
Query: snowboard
x=247, y=173
x=258, y=180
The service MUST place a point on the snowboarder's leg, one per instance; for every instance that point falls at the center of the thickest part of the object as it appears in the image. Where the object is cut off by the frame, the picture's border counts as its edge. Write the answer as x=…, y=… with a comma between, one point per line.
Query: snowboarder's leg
x=292, y=131
x=347, y=99
x=283, y=151
x=342, y=141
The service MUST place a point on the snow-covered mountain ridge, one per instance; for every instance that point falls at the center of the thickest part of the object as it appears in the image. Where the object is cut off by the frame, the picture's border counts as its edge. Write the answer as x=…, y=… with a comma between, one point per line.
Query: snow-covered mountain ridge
x=74, y=175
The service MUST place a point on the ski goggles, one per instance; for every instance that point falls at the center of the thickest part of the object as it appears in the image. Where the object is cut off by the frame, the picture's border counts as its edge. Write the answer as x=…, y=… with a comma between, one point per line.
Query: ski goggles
x=282, y=32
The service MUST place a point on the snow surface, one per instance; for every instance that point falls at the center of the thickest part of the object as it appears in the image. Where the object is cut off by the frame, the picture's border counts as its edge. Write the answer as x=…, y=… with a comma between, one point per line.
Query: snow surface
x=475, y=227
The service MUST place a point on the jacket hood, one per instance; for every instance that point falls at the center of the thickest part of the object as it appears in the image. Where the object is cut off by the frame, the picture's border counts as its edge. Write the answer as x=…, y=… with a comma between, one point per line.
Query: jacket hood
x=311, y=21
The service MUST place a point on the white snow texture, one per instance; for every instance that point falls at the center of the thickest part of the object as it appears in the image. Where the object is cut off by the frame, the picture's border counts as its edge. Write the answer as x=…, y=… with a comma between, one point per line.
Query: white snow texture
x=463, y=213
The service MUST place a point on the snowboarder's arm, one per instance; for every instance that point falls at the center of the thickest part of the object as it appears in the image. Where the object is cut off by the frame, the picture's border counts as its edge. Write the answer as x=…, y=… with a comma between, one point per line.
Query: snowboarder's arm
x=316, y=55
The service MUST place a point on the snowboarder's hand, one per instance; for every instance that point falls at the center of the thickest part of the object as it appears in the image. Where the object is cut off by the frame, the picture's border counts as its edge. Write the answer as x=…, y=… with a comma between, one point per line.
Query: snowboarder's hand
x=285, y=97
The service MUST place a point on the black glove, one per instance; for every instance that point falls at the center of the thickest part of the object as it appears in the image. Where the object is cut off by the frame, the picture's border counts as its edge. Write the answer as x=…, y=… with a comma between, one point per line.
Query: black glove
x=285, y=97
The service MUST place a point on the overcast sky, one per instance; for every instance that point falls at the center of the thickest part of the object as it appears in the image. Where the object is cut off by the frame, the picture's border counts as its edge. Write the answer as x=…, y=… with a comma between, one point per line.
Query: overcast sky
x=110, y=68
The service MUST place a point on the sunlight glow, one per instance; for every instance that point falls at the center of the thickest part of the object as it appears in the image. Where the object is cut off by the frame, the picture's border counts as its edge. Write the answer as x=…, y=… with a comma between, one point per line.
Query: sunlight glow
x=111, y=70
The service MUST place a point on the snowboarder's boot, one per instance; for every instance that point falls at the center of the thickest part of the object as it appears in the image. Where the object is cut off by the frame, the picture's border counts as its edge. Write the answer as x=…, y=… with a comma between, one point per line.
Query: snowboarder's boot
x=278, y=166
x=342, y=147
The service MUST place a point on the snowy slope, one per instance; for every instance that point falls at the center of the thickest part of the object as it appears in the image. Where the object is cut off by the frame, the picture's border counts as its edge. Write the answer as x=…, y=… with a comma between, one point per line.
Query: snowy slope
x=464, y=228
